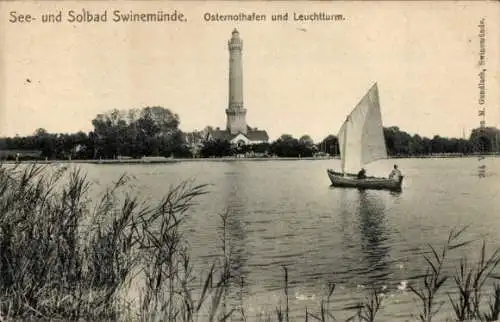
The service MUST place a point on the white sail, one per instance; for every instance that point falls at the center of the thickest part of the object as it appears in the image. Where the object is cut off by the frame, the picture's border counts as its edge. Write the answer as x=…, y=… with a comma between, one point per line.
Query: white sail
x=361, y=137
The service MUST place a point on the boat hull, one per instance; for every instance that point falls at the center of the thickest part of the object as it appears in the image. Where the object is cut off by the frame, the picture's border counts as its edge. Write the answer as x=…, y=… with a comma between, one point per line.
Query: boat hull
x=373, y=183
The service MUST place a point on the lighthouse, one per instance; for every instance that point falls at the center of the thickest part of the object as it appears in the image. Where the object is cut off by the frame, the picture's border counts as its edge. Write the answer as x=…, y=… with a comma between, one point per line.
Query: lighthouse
x=237, y=130
x=235, y=112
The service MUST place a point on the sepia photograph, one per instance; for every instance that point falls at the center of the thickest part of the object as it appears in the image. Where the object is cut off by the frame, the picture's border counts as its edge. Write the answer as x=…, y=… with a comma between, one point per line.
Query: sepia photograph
x=249, y=161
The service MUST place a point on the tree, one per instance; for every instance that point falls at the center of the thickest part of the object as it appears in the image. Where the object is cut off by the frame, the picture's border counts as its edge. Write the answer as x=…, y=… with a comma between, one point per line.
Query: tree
x=157, y=120
x=329, y=145
x=40, y=132
x=44, y=142
x=217, y=148
x=136, y=132
x=306, y=140
x=485, y=139
x=288, y=146
x=109, y=129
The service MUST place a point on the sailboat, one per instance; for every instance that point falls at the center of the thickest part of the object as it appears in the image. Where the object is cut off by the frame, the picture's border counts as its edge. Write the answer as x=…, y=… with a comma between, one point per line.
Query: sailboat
x=361, y=141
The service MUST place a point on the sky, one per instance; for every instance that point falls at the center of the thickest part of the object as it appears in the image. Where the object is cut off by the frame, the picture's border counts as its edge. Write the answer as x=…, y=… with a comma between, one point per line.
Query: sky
x=300, y=77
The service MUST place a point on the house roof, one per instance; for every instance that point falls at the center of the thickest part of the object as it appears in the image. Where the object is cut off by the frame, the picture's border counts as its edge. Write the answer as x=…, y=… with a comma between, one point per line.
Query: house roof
x=257, y=135
x=221, y=135
x=252, y=135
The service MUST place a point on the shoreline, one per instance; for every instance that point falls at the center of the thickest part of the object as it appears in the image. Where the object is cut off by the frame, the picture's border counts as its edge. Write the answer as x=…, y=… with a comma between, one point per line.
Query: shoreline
x=229, y=159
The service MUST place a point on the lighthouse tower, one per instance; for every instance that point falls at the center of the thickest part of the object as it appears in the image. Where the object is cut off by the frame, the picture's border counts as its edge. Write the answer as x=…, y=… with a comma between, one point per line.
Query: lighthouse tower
x=236, y=113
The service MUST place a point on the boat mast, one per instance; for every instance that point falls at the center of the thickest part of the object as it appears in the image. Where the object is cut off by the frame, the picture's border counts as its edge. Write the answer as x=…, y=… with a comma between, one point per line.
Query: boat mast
x=342, y=150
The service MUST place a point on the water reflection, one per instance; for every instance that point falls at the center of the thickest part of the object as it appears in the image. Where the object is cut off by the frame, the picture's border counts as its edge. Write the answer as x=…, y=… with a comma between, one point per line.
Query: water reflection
x=365, y=251
x=481, y=171
x=235, y=233
x=348, y=234
x=374, y=237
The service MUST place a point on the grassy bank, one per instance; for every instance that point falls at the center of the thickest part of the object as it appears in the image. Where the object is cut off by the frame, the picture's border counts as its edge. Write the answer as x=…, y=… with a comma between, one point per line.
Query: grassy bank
x=164, y=160
x=63, y=256
x=231, y=159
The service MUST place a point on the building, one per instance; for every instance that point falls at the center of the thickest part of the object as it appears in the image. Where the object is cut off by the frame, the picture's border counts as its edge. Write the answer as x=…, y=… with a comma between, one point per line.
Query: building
x=237, y=130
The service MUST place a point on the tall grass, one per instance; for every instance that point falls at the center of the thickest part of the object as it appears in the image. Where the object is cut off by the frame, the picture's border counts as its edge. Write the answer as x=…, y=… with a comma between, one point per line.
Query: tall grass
x=434, y=279
x=64, y=256
x=469, y=282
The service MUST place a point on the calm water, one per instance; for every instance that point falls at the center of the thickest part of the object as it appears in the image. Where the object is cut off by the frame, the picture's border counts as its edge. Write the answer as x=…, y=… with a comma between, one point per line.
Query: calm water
x=285, y=213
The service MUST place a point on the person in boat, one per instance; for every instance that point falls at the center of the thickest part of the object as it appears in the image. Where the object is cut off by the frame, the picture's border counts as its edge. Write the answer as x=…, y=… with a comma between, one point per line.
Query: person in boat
x=362, y=174
x=395, y=173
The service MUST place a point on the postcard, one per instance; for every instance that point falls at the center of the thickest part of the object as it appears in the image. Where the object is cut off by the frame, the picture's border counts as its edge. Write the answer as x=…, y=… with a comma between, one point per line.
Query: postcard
x=237, y=160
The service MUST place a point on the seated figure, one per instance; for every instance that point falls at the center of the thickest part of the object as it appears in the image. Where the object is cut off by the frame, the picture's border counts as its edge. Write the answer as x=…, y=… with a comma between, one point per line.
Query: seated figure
x=395, y=173
x=362, y=174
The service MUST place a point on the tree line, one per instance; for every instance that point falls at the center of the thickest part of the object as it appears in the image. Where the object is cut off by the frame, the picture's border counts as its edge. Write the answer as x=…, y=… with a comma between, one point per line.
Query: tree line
x=154, y=131
x=133, y=133
x=401, y=143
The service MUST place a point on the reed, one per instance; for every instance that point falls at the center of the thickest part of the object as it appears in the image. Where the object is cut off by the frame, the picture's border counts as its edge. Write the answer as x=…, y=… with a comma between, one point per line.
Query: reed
x=433, y=279
x=325, y=312
x=469, y=281
x=61, y=258
x=368, y=309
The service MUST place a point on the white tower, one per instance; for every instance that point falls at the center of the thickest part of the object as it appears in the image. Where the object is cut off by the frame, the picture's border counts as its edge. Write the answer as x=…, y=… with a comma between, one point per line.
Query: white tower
x=236, y=113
